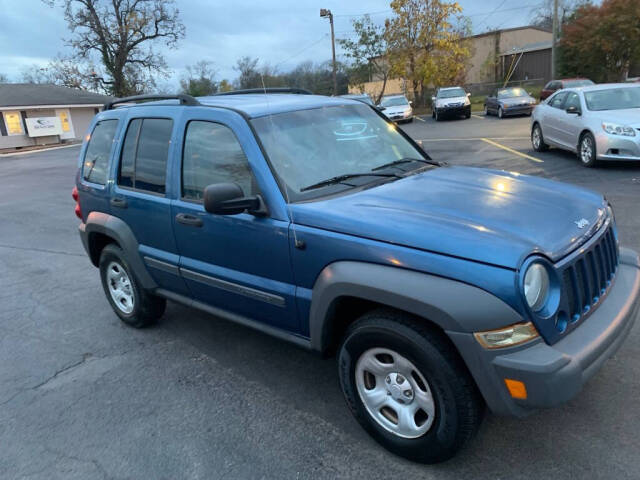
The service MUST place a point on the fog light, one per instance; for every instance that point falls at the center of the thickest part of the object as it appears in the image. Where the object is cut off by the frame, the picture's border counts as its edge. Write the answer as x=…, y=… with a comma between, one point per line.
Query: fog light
x=516, y=388
x=507, y=336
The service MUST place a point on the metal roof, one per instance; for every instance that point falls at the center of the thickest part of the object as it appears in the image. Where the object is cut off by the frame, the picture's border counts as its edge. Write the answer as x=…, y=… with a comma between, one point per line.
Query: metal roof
x=33, y=95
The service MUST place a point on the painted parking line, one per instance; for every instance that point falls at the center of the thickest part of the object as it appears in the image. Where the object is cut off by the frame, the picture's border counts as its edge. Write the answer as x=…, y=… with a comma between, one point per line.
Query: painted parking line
x=419, y=118
x=511, y=150
x=481, y=117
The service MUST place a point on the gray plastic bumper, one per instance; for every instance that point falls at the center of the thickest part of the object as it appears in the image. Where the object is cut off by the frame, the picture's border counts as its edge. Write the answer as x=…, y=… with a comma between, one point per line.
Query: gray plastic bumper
x=554, y=374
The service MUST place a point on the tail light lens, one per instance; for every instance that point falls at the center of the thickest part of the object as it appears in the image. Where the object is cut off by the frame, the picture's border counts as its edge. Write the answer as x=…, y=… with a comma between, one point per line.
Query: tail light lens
x=74, y=194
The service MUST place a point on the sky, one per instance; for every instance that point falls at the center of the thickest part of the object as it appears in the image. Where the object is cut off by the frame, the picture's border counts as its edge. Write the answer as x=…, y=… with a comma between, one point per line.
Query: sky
x=282, y=33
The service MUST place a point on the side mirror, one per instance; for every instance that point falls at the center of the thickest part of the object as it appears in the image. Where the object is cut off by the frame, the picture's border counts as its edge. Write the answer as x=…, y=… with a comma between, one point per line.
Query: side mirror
x=573, y=110
x=468, y=95
x=433, y=99
x=228, y=199
x=410, y=102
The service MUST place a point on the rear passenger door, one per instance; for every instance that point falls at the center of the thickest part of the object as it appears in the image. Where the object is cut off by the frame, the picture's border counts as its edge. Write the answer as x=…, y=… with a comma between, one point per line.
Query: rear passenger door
x=140, y=199
x=237, y=263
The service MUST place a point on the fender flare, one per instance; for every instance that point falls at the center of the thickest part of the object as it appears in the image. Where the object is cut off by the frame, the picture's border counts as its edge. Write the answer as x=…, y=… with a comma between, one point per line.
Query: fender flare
x=452, y=305
x=99, y=222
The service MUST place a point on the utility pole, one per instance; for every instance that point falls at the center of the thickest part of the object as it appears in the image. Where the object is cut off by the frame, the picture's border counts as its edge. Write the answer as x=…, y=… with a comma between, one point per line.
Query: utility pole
x=326, y=13
x=554, y=40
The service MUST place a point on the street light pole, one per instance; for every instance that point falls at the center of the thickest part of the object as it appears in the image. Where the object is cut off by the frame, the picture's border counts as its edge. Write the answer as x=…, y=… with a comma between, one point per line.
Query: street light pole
x=326, y=13
x=554, y=39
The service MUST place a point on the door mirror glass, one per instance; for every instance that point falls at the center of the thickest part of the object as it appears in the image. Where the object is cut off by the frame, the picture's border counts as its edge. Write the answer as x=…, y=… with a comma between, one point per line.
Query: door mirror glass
x=229, y=199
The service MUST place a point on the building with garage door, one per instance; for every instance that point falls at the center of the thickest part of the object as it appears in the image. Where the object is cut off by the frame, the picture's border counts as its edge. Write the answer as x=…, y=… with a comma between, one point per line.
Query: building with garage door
x=32, y=114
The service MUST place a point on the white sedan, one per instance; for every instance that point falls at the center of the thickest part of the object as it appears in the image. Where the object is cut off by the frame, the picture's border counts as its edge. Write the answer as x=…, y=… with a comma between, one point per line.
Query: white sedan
x=598, y=122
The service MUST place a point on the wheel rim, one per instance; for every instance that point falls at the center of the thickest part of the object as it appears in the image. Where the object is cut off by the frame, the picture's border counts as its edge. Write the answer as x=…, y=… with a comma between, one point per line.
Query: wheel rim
x=536, y=138
x=500, y=112
x=120, y=287
x=395, y=393
x=486, y=111
x=586, y=150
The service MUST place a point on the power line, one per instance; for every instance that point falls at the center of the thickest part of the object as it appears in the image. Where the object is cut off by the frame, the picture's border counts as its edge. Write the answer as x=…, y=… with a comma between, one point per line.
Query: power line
x=311, y=45
x=492, y=12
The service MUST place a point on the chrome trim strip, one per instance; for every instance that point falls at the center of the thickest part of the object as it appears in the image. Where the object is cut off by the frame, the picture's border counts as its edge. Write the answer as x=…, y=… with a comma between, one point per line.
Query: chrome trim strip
x=160, y=265
x=270, y=298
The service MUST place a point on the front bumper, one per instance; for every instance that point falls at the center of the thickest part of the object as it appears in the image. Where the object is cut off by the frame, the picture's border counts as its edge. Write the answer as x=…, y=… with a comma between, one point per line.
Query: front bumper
x=555, y=374
x=401, y=117
x=519, y=110
x=611, y=147
x=460, y=110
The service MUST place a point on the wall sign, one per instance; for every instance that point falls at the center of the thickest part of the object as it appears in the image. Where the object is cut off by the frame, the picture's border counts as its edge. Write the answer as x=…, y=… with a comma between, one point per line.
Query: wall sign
x=43, y=126
x=13, y=121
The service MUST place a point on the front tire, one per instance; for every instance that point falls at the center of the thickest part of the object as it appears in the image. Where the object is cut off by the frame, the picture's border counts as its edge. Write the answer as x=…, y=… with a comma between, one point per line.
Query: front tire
x=436, y=116
x=407, y=386
x=587, y=150
x=486, y=111
x=500, y=112
x=135, y=306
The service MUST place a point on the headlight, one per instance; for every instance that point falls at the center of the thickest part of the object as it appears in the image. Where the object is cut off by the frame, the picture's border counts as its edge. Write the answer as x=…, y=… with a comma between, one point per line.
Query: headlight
x=508, y=336
x=610, y=213
x=616, y=129
x=536, y=286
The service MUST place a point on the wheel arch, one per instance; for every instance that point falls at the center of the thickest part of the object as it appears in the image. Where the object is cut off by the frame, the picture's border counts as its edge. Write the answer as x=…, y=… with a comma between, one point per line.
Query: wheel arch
x=101, y=229
x=345, y=290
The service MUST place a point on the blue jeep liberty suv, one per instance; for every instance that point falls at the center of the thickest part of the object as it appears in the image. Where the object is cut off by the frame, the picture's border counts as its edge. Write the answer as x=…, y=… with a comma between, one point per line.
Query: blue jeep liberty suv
x=440, y=289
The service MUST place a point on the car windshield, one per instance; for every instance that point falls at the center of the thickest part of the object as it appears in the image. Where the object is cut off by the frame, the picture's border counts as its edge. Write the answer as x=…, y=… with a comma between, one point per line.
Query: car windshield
x=512, y=93
x=394, y=102
x=308, y=146
x=613, y=98
x=451, y=93
x=577, y=83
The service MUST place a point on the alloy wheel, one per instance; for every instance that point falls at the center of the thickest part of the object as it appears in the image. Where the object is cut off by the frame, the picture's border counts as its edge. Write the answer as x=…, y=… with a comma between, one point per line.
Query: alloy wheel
x=586, y=149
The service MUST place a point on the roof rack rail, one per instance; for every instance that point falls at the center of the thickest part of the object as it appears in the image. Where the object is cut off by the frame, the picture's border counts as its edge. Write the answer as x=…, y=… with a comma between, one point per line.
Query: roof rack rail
x=184, y=99
x=299, y=91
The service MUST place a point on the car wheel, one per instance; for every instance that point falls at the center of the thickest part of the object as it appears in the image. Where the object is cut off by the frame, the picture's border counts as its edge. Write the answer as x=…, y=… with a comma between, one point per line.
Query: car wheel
x=408, y=387
x=410, y=120
x=433, y=114
x=537, y=140
x=135, y=306
x=436, y=116
x=500, y=113
x=587, y=150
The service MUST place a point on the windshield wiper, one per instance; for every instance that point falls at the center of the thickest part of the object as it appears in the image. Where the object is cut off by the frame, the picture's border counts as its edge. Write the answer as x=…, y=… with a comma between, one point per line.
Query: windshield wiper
x=346, y=176
x=401, y=161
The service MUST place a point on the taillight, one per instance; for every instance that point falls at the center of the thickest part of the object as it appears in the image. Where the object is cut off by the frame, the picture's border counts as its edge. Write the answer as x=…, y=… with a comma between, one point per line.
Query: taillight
x=74, y=194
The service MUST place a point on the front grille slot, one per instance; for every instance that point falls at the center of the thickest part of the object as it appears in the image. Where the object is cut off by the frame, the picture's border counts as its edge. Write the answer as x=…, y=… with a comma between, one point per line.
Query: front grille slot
x=587, y=278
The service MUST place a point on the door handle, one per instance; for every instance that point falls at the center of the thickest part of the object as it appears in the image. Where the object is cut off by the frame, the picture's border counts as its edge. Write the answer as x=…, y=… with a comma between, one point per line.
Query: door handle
x=190, y=220
x=119, y=202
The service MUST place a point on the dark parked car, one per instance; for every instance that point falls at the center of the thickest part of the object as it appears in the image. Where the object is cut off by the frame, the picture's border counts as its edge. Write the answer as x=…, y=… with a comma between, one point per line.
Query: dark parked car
x=555, y=85
x=441, y=289
x=508, y=102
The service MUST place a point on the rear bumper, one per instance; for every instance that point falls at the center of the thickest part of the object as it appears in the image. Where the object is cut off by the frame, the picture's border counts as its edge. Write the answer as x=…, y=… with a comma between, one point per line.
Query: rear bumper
x=553, y=374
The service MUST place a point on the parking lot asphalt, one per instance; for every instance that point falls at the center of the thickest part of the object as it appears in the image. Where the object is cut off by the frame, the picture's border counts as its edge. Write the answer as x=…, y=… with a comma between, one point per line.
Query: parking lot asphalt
x=82, y=396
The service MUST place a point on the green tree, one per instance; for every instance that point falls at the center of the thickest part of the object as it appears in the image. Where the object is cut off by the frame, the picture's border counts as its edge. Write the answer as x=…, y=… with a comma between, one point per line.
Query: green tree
x=602, y=42
x=426, y=44
x=199, y=80
x=369, y=54
x=121, y=34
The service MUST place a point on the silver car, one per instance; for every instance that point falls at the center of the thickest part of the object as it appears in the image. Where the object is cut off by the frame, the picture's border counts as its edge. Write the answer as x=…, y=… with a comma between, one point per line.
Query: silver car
x=598, y=122
x=397, y=108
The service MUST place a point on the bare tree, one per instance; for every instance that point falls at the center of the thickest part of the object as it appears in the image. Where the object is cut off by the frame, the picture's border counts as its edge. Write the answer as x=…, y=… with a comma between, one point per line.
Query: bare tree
x=200, y=79
x=121, y=34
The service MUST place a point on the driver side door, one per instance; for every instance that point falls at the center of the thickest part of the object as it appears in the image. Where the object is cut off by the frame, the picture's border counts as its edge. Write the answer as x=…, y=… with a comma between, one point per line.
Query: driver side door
x=239, y=264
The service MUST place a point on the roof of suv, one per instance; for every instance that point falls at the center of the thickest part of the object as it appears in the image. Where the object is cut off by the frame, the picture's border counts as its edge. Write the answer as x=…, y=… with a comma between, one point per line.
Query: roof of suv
x=256, y=105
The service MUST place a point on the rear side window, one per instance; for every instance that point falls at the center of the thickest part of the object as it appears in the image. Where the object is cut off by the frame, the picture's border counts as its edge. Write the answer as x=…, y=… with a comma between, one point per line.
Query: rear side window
x=143, y=163
x=212, y=154
x=96, y=159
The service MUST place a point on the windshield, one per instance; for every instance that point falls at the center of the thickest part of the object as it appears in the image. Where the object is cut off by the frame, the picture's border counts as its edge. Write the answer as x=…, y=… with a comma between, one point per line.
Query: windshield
x=577, y=83
x=512, y=93
x=613, y=98
x=309, y=146
x=451, y=93
x=394, y=102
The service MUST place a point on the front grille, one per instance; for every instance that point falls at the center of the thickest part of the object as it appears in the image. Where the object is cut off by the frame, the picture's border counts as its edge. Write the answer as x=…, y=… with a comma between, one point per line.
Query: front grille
x=586, y=280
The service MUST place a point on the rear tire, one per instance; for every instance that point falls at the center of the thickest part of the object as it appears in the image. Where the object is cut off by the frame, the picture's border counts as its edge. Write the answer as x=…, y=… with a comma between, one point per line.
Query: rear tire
x=587, y=150
x=537, y=140
x=135, y=306
x=420, y=383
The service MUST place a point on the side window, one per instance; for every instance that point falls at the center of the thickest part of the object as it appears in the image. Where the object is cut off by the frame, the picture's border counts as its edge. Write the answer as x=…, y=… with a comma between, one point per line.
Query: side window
x=143, y=163
x=212, y=154
x=573, y=100
x=558, y=100
x=548, y=86
x=96, y=158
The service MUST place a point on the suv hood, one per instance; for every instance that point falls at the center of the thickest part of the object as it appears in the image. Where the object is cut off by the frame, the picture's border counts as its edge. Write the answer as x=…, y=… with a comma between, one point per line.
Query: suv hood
x=483, y=215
